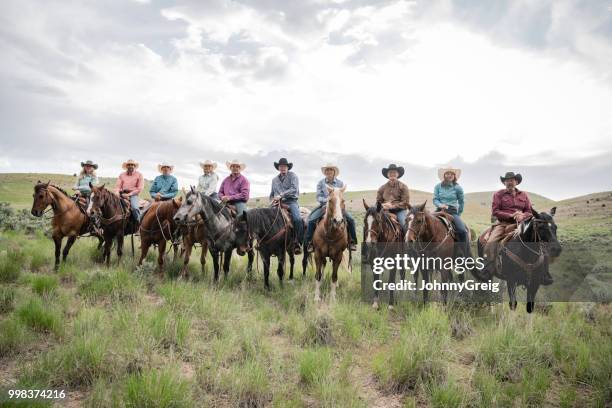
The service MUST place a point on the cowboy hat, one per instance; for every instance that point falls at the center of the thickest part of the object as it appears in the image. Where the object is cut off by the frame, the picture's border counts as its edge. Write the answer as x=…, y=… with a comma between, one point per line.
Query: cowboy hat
x=283, y=161
x=331, y=166
x=165, y=164
x=235, y=161
x=399, y=169
x=130, y=161
x=89, y=163
x=510, y=175
x=444, y=170
x=208, y=163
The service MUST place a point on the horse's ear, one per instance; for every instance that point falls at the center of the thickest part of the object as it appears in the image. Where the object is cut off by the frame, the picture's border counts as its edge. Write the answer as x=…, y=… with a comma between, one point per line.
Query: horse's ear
x=330, y=189
x=192, y=189
x=535, y=213
x=90, y=185
x=365, y=205
x=422, y=206
x=553, y=211
x=378, y=206
x=102, y=186
x=48, y=182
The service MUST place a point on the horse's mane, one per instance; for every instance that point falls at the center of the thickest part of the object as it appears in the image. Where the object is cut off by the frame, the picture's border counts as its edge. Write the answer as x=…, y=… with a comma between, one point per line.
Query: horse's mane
x=45, y=185
x=264, y=220
x=217, y=206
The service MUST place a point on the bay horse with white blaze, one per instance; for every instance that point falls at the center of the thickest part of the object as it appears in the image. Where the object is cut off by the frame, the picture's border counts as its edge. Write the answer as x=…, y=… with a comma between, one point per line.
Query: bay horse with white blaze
x=68, y=219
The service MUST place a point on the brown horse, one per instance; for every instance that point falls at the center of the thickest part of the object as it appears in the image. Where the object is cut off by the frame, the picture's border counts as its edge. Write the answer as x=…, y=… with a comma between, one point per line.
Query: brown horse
x=68, y=219
x=113, y=212
x=156, y=227
x=193, y=233
x=430, y=236
x=381, y=227
x=330, y=239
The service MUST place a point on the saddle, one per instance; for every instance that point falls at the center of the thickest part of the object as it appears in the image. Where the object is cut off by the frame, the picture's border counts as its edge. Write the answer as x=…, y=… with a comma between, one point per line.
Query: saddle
x=510, y=232
x=448, y=222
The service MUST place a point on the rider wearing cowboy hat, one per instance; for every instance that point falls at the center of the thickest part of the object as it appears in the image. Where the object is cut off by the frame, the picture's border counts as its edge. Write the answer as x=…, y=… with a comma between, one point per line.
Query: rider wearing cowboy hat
x=286, y=189
x=394, y=195
x=331, y=172
x=448, y=197
x=165, y=186
x=235, y=189
x=87, y=175
x=129, y=184
x=207, y=183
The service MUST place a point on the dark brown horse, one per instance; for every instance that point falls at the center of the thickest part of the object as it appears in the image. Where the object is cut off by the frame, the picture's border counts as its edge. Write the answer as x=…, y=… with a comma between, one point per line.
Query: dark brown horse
x=157, y=227
x=381, y=230
x=113, y=213
x=330, y=239
x=68, y=219
x=430, y=236
x=193, y=233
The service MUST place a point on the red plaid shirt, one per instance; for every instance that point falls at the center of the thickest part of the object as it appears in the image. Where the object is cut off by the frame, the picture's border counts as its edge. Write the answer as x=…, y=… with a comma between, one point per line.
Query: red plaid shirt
x=506, y=203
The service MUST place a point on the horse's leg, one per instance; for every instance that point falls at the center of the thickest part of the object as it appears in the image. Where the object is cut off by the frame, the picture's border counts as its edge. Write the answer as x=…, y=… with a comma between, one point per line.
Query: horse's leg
x=227, y=259
x=532, y=289
x=100, y=242
x=250, y=257
x=69, y=243
x=318, y=275
x=186, y=249
x=425, y=278
x=57, y=240
x=144, y=248
x=280, y=269
x=204, y=248
x=336, y=265
x=305, y=262
x=291, y=264
x=215, y=256
x=161, y=248
x=512, y=294
x=108, y=243
x=266, y=267
x=119, y=246
x=392, y=273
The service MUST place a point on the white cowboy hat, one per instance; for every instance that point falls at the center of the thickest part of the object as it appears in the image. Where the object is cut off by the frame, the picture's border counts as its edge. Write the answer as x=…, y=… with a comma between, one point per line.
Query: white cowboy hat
x=208, y=163
x=442, y=171
x=230, y=163
x=331, y=166
x=165, y=164
x=130, y=161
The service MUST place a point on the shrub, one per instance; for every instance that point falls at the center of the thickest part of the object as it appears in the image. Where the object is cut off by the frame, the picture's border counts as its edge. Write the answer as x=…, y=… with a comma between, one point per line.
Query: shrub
x=44, y=285
x=13, y=336
x=160, y=389
x=314, y=365
x=7, y=299
x=11, y=264
x=41, y=317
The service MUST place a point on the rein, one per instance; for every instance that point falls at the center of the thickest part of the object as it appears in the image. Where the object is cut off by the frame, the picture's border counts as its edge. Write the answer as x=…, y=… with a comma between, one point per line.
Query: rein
x=418, y=234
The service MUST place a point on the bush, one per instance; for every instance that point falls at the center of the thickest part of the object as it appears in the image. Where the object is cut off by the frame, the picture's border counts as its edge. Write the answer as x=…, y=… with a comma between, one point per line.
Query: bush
x=116, y=284
x=169, y=329
x=161, y=389
x=13, y=336
x=314, y=366
x=20, y=220
x=7, y=299
x=41, y=317
x=44, y=285
x=11, y=264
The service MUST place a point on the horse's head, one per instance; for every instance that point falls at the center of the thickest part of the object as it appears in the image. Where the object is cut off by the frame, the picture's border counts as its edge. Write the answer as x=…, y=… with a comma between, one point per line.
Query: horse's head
x=545, y=230
x=97, y=200
x=335, y=204
x=42, y=199
x=241, y=230
x=416, y=222
x=189, y=208
x=372, y=223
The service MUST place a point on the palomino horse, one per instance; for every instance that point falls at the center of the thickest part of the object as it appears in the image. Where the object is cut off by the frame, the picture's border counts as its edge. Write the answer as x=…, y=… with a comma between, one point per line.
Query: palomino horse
x=430, y=236
x=220, y=228
x=525, y=257
x=330, y=239
x=381, y=227
x=114, y=216
x=271, y=229
x=68, y=219
x=157, y=227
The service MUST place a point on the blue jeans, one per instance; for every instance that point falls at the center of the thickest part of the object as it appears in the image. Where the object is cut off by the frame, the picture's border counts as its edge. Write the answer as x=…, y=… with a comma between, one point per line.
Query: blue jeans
x=401, y=216
x=134, y=205
x=294, y=210
x=316, y=215
x=460, y=229
x=240, y=207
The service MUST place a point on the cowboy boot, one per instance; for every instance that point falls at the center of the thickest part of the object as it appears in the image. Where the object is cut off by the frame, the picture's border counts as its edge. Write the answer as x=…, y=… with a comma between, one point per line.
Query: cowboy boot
x=546, y=278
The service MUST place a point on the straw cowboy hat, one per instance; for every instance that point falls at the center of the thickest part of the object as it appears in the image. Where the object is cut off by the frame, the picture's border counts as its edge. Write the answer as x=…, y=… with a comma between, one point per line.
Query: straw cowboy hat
x=130, y=161
x=510, y=175
x=165, y=164
x=444, y=170
x=283, y=161
x=89, y=163
x=208, y=163
x=399, y=169
x=331, y=166
x=230, y=163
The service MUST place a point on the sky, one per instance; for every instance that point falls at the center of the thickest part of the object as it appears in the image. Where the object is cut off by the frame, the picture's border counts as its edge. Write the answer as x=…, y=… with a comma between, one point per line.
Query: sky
x=490, y=87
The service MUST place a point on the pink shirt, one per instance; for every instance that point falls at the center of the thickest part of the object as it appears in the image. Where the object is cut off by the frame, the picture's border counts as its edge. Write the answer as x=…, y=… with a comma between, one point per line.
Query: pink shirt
x=132, y=183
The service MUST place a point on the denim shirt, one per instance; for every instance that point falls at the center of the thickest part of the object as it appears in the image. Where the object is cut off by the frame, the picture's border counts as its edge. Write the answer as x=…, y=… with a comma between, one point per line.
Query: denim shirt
x=288, y=187
x=167, y=186
x=82, y=183
x=449, y=194
x=322, y=193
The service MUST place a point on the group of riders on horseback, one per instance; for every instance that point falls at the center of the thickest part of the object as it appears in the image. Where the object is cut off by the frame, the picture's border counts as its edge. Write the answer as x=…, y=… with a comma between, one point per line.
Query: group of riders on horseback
x=511, y=207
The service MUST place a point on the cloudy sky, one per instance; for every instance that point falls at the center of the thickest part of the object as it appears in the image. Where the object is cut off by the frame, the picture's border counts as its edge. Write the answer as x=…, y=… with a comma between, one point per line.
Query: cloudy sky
x=488, y=86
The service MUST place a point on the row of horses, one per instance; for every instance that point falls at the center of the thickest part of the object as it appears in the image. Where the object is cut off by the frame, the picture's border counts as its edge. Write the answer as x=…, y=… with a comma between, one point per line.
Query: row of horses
x=198, y=218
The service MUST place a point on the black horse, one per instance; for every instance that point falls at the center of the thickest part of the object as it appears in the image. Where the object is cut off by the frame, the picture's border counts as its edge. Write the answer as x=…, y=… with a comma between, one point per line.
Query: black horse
x=274, y=238
x=525, y=257
x=220, y=228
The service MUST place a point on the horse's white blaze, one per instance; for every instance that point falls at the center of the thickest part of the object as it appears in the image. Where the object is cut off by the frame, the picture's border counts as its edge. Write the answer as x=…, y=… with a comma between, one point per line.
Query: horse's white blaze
x=369, y=222
x=410, y=219
x=90, y=203
x=338, y=211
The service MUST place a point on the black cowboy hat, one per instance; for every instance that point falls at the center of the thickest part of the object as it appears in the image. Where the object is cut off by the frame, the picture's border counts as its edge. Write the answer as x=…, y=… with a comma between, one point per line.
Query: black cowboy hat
x=400, y=170
x=510, y=175
x=283, y=161
x=89, y=163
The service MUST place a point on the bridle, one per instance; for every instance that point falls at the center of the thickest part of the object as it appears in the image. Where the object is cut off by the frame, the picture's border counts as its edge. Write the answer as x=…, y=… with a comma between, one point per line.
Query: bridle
x=418, y=233
x=116, y=217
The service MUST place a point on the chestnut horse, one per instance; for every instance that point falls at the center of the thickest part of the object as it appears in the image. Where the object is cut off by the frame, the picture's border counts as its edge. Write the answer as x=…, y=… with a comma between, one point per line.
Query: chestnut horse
x=114, y=215
x=330, y=239
x=192, y=233
x=429, y=235
x=68, y=219
x=156, y=227
x=381, y=227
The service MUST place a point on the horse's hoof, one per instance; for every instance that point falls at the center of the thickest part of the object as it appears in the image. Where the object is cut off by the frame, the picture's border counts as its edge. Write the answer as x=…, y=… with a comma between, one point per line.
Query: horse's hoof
x=317, y=299
x=391, y=307
x=375, y=305
x=291, y=281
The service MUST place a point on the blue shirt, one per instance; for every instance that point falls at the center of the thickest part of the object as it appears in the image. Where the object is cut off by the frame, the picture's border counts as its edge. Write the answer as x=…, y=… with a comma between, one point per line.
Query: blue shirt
x=449, y=194
x=322, y=192
x=167, y=186
x=287, y=186
x=83, y=181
